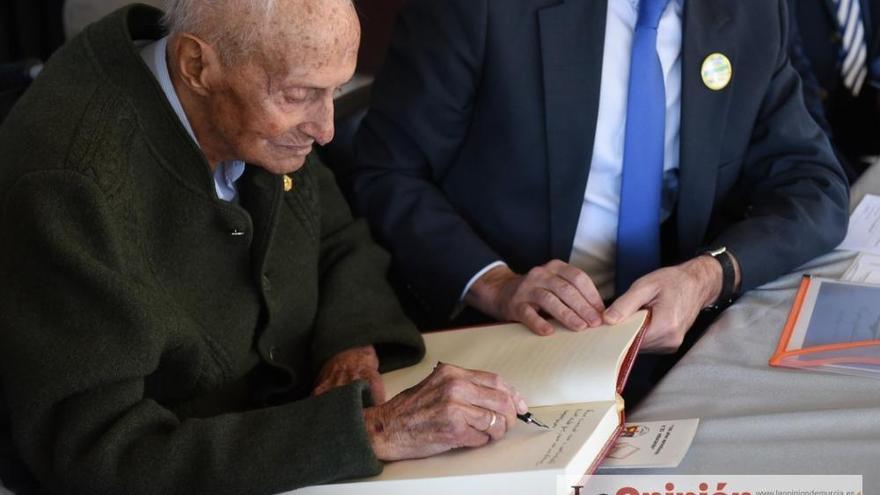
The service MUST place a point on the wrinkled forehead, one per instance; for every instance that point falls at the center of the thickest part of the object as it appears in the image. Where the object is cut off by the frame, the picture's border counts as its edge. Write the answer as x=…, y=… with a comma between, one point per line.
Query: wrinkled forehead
x=308, y=35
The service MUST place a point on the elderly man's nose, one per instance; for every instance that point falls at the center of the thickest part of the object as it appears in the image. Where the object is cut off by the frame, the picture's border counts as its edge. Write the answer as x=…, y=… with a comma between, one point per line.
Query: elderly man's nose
x=322, y=123
x=325, y=135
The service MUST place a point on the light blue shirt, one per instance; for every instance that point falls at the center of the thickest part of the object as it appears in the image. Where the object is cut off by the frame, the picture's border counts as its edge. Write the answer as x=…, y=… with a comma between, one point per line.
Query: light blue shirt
x=225, y=173
x=595, y=242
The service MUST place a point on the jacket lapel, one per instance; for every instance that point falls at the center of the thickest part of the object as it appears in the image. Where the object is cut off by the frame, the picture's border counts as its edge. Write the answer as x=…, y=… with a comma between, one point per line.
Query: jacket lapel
x=572, y=40
x=703, y=118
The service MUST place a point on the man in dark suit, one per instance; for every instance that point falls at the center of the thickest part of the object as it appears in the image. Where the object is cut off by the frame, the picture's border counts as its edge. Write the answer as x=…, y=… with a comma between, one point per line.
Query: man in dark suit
x=501, y=161
x=837, y=41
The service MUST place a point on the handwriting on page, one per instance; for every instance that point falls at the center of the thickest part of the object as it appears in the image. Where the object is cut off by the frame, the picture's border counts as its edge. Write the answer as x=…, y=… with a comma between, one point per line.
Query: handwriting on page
x=565, y=426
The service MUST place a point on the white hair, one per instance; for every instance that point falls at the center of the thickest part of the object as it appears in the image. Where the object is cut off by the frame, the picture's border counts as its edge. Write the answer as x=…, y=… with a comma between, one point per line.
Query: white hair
x=233, y=27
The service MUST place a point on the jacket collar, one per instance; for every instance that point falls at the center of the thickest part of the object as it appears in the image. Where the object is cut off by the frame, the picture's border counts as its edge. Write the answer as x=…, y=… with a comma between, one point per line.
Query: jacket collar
x=572, y=41
x=112, y=42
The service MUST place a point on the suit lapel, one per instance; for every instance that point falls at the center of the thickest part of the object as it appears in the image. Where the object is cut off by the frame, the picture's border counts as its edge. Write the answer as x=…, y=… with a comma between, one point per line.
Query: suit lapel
x=703, y=117
x=572, y=40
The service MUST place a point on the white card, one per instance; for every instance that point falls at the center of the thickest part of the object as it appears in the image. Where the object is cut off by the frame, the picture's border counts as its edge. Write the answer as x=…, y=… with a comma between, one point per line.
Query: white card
x=652, y=444
x=864, y=227
x=865, y=269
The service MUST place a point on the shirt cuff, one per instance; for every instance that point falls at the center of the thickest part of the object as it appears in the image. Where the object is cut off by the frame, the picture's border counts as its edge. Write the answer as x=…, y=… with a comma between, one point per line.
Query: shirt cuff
x=477, y=277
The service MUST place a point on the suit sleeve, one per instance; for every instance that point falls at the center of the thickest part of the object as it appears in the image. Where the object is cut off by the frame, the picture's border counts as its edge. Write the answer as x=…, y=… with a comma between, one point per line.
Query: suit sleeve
x=421, y=112
x=795, y=192
x=357, y=306
x=78, y=338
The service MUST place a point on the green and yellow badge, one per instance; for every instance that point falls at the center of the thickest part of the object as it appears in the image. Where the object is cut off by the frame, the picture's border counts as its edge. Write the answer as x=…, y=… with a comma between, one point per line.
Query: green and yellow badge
x=717, y=71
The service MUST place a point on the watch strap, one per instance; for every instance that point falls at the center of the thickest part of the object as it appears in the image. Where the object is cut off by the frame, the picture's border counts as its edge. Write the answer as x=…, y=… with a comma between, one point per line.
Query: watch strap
x=728, y=277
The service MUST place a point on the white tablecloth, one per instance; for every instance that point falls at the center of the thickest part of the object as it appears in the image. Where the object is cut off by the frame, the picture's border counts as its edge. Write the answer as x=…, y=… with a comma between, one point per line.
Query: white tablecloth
x=761, y=420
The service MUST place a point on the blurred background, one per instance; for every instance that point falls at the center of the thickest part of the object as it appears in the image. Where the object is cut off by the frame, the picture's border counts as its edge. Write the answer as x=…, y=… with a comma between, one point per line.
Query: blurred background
x=34, y=29
x=31, y=30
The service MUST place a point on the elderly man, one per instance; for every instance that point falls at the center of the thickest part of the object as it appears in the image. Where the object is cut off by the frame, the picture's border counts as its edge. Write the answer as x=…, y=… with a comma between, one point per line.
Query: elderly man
x=187, y=305
x=536, y=159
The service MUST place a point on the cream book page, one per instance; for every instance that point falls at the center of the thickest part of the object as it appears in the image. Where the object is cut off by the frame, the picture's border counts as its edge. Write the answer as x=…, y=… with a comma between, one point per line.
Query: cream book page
x=526, y=461
x=564, y=368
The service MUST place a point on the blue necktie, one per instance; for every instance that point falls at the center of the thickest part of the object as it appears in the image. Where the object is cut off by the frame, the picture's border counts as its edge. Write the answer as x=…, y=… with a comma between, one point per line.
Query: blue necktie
x=638, y=229
x=854, y=51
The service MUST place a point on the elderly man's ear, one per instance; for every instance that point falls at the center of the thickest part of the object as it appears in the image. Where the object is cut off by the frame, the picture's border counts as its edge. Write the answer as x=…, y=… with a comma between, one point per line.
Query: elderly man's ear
x=196, y=63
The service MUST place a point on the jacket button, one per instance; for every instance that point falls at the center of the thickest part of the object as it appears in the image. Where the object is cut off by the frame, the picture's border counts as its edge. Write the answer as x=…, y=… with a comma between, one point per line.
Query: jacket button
x=273, y=353
x=267, y=284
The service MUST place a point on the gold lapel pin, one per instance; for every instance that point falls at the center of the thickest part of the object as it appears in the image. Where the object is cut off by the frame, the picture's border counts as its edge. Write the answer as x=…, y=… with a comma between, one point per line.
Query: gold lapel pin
x=717, y=71
x=288, y=183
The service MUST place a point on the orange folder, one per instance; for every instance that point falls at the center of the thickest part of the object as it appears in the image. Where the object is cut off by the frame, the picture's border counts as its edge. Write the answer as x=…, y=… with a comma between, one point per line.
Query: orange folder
x=855, y=357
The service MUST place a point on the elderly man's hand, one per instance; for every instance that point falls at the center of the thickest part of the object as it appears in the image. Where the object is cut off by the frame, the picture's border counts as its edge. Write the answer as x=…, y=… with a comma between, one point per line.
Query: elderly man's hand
x=452, y=408
x=558, y=289
x=360, y=363
x=675, y=295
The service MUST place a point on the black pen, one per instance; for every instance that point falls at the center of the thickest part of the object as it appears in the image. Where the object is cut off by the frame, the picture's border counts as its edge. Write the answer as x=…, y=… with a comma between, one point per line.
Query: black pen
x=528, y=418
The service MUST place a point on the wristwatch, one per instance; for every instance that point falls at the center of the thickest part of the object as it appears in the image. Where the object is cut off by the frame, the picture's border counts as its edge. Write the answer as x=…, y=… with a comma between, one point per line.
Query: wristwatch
x=728, y=277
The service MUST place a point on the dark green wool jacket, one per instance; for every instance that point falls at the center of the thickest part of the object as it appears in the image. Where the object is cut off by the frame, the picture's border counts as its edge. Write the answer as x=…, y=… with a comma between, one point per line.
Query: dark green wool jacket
x=153, y=338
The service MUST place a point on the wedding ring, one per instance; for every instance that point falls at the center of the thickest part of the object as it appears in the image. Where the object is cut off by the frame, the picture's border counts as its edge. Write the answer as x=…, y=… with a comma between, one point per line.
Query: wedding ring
x=492, y=422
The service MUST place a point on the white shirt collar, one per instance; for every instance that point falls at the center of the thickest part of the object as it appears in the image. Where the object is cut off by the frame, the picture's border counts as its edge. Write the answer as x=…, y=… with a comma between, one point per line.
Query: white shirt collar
x=635, y=3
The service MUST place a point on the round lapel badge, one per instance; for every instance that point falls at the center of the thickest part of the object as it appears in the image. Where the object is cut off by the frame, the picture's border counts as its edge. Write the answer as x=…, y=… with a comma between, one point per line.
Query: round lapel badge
x=717, y=71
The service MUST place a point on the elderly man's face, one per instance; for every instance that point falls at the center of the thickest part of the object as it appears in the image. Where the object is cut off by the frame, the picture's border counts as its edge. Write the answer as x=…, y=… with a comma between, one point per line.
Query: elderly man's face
x=271, y=110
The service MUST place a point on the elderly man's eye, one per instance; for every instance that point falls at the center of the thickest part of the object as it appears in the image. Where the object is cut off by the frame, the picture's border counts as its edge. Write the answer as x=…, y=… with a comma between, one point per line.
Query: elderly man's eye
x=297, y=96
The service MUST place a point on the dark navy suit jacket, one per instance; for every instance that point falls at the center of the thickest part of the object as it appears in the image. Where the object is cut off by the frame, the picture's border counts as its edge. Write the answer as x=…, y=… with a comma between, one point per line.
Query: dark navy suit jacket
x=814, y=93
x=821, y=41
x=853, y=122
x=479, y=140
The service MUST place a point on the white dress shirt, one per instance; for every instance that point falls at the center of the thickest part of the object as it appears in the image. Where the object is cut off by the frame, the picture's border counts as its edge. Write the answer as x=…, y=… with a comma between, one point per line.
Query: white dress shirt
x=225, y=173
x=595, y=239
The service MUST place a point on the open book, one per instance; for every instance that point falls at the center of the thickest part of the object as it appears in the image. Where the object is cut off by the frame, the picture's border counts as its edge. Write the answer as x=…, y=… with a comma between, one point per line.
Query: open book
x=571, y=382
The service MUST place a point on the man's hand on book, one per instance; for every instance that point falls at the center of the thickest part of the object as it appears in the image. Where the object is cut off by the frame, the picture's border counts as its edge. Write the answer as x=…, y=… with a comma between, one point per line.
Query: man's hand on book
x=557, y=289
x=675, y=295
x=360, y=363
x=449, y=409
